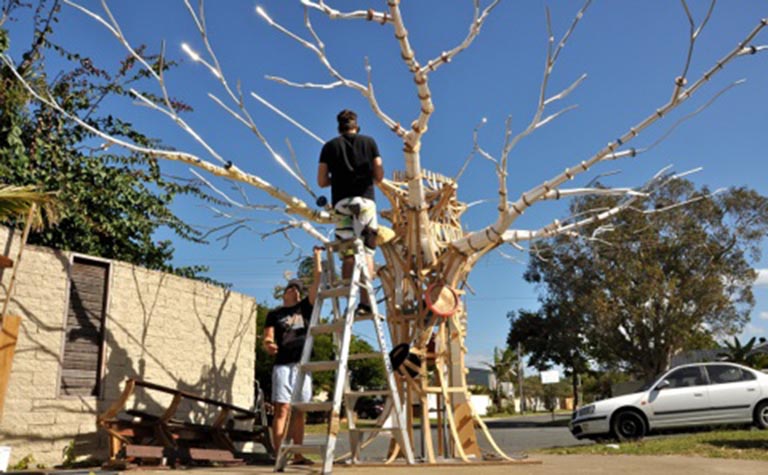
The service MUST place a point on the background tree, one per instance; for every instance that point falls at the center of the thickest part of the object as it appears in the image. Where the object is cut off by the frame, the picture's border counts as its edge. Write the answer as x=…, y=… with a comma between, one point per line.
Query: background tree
x=39, y=147
x=659, y=283
x=504, y=369
x=745, y=354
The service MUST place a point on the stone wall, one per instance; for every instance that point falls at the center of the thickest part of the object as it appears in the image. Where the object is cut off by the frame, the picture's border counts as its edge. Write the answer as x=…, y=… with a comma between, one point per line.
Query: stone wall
x=159, y=327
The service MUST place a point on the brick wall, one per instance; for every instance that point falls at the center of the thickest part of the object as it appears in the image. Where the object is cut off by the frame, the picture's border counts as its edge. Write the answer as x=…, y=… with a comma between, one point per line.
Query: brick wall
x=161, y=328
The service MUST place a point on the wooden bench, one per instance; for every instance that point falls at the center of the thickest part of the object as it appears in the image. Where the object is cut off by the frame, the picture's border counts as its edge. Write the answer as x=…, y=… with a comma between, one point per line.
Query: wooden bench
x=140, y=438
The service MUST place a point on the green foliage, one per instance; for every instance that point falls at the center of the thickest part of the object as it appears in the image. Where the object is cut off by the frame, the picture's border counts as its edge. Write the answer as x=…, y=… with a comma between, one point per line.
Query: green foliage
x=504, y=369
x=744, y=354
x=24, y=463
x=69, y=456
x=365, y=373
x=112, y=204
x=731, y=444
x=658, y=284
x=599, y=384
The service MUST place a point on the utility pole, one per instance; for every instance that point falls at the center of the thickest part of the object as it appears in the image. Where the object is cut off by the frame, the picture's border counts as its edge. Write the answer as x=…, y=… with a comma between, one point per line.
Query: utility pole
x=520, y=376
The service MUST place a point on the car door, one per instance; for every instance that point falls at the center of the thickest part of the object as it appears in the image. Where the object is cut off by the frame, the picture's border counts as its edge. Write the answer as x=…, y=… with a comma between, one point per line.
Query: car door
x=683, y=401
x=732, y=392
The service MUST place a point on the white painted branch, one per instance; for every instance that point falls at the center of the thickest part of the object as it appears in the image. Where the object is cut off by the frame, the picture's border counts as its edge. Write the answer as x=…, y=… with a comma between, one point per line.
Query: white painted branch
x=285, y=116
x=558, y=194
x=565, y=92
x=333, y=14
x=491, y=235
x=306, y=85
x=305, y=226
x=320, y=52
x=179, y=121
x=293, y=205
x=474, y=30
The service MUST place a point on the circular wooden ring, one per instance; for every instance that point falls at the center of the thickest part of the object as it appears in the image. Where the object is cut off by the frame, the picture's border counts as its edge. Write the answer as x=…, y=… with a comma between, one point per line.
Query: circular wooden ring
x=431, y=305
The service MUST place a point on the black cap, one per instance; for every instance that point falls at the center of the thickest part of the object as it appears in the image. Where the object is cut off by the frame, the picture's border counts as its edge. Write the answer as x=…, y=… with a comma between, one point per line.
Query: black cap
x=296, y=283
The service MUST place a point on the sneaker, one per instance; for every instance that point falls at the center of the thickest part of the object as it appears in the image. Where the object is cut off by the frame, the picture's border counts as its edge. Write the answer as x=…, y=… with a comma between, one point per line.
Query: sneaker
x=363, y=310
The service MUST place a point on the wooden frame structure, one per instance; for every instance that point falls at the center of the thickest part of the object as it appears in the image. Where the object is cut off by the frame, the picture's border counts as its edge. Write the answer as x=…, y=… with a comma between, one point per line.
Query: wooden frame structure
x=138, y=437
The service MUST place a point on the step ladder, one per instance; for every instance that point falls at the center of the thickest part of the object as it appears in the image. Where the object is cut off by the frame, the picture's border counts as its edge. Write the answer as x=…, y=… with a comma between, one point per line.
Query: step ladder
x=340, y=327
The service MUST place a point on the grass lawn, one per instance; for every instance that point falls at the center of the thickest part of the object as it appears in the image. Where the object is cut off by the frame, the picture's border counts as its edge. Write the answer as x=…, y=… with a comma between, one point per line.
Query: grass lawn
x=732, y=444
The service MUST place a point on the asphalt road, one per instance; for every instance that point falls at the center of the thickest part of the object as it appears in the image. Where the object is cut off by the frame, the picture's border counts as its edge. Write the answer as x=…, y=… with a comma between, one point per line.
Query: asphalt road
x=514, y=435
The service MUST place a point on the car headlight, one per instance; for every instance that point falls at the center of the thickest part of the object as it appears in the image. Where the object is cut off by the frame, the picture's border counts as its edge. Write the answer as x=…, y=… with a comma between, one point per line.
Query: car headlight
x=586, y=410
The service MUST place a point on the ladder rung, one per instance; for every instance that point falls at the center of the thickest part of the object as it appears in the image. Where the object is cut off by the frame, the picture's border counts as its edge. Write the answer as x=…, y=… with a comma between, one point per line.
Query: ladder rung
x=365, y=356
x=366, y=316
x=332, y=327
x=313, y=406
x=303, y=448
x=342, y=291
x=320, y=366
x=372, y=392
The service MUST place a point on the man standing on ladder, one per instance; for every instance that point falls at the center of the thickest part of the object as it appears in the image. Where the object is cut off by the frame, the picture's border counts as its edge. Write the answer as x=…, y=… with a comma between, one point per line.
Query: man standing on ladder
x=350, y=164
x=284, y=333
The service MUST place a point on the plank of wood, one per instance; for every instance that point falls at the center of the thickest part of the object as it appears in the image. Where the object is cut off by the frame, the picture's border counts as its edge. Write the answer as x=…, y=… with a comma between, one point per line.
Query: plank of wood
x=9, y=334
x=144, y=451
x=213, y=455
x=5, y=262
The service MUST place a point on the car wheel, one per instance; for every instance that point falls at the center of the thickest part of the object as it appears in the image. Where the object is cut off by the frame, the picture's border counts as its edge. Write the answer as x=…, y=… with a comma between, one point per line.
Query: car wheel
x=761, y=415
x=628, y=425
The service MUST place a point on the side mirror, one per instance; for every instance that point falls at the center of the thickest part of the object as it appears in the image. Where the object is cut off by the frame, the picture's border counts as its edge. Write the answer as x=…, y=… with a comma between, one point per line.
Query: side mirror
x=663, y=384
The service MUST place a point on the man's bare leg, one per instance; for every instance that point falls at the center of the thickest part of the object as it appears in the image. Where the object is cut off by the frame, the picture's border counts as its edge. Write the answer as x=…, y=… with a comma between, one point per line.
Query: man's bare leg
x=346, y=272
x=282, y=409
x=297, y=431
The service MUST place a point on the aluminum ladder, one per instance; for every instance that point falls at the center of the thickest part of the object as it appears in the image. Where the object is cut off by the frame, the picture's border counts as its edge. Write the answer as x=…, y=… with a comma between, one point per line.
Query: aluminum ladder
x=341, y=328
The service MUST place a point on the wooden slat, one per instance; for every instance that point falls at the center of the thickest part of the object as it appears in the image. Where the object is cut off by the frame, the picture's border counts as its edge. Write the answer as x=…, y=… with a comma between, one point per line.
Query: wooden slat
x=144, y=451
x=212, y=455
x=9, y=333
x=80, y=366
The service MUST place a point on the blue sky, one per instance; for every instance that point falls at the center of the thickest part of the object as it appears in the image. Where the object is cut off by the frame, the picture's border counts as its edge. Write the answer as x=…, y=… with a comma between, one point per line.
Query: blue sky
x=630, y=50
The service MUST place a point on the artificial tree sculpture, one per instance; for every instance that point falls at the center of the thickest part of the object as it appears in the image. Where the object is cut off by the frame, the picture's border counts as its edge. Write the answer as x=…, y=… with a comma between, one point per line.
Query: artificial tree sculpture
x=431, y=255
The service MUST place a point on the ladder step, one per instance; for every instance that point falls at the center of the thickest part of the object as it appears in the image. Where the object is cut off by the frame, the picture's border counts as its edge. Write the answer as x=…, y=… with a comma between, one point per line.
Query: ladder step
x=332, y=292
x=332, y=327
x=361, y=317
x=320, y=366
x=303, y=448
x=313, y=406
x=365, y=356
x=372, y=392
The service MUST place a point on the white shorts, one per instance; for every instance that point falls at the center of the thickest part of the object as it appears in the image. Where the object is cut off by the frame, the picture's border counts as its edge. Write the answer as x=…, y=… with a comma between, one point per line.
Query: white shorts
x=356, y=218
x=283, y=381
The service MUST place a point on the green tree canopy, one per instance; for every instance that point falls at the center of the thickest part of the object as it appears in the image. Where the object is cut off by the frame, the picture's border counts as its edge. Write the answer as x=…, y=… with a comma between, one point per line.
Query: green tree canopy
x=112, y=203
x=656, y=284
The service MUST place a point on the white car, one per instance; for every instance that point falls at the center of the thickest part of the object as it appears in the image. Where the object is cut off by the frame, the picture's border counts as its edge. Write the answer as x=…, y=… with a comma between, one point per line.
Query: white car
x=689, y=395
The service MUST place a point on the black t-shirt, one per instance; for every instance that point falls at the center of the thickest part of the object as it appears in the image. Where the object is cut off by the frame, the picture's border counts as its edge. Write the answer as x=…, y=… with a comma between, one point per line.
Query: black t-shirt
x=354, y=176
x=290, y=325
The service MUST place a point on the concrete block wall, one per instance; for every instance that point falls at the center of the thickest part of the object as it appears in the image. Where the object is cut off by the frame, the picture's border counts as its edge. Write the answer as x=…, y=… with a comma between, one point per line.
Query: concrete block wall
x=159, y=327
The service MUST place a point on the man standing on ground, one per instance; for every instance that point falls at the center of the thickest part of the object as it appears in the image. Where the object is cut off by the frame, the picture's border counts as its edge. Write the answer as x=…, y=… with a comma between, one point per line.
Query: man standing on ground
x=284, y=334
x=350, y=164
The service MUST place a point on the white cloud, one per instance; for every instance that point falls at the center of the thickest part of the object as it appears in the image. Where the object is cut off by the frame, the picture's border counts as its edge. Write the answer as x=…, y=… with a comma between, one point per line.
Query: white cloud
x=762, y=278
x=763, y=315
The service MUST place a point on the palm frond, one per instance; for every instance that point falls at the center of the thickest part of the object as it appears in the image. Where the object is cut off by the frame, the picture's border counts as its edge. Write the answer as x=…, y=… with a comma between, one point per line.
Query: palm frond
x=16, y=201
